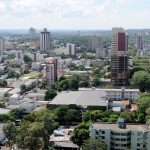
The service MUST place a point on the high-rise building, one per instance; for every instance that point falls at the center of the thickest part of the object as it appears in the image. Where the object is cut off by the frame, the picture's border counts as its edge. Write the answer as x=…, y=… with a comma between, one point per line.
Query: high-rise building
x=32, y=32
x=1, y=46
x=93, y=43
x=119, y=57
x=51, y=72
x=122, y=136
x=100, y=53
x=139, y=42
x=71, y=49
x=45, y=40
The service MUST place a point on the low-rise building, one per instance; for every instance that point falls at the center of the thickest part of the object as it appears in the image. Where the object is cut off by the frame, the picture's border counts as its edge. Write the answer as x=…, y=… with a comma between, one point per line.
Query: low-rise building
x=118, y=94
x=61, y=139
x=122, y=136
x=82, y=98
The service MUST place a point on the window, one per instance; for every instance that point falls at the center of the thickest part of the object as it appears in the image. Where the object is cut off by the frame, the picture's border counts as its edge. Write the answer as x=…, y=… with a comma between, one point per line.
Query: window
x=139, y=134
x=123, y=134
x=103, y=132
x=103, y=137
x=138, y=144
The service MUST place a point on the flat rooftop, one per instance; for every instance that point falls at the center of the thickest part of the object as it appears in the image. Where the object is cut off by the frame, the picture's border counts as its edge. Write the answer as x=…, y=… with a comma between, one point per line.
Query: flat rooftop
x=109, y=90
x=129, y=127
x=81, y=98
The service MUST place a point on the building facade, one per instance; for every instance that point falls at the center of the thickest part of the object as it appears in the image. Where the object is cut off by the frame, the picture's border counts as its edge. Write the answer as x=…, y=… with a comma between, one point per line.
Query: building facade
x=119, y=57
x=32, y=32
x=51, y=72
x=94, y=42
x=45, y=40
x=1, y=46
x=139, y=42
x=71, y=49
x=122, y=137
x=100, y=53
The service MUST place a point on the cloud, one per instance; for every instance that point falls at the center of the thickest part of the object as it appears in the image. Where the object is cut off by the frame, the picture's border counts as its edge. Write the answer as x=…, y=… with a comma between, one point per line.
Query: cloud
x=73, y=13
x=56, y=8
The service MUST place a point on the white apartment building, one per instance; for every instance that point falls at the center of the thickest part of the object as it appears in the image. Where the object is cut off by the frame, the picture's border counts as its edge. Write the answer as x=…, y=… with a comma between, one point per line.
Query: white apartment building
x=122, y=136
x=118, y=94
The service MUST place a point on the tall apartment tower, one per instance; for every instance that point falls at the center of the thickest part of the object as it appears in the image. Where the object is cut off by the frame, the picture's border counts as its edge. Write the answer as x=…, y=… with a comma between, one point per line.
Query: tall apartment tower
x=45, y=40
x=93, y=43
x=51, y=72
x=119, y=57
x=139, y=42
x=32, y=32
x=1, y=46
x=71, y=49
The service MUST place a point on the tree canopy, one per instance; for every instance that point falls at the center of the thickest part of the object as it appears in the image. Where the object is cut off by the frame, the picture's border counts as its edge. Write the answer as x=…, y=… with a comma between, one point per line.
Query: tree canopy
x=94, y=144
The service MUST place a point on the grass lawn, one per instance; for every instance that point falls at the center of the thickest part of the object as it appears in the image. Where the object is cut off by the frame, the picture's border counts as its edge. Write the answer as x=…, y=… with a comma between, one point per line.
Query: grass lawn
x=32, y=75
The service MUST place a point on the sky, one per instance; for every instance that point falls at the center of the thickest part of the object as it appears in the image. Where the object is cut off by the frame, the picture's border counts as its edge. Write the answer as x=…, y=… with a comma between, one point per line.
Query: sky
x=74, y=14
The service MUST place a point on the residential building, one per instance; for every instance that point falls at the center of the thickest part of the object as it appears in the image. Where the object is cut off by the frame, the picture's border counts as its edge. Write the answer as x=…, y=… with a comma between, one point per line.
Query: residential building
x=61, y=139
x=117, y=94
x=71, y=49
x=51, y=72
x=35, y=44
x=119, y=57
x=93, y=43
x=100, y=52
x=1, y=46
x=139, y=42
x=122, y=136
x=32, y=32
x=25, y=68
x=45, y=40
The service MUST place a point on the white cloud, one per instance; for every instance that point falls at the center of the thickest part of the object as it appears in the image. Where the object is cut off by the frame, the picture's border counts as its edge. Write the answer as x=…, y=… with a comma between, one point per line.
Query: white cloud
x=70, y=13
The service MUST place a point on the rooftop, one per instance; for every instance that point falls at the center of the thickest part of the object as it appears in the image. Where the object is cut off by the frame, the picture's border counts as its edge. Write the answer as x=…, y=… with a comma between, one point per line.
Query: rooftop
x=82, y=98
x=129, y=127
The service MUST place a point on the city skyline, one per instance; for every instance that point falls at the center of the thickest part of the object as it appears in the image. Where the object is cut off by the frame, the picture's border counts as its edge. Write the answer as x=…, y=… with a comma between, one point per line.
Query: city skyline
x=85, y=14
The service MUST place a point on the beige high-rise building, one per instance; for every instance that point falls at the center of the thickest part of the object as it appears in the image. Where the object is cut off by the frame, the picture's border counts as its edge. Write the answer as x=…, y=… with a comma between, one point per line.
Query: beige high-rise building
x=119, y=57
x=51, y=72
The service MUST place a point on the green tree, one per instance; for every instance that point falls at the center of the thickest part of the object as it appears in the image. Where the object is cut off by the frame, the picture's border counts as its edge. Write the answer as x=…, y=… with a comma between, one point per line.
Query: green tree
x=23, y=87
x=3, y=83
x=93, y=115
x=17, y=113
x=81, y=133
x=83, y=84
x=113, y=118
x=94, y=145
x=127, y=115
x=35, y=130
x=141, y=79
x=66, y=115
x=74, y=84
x=50, y=94
x=10, y=131
x=96, y=82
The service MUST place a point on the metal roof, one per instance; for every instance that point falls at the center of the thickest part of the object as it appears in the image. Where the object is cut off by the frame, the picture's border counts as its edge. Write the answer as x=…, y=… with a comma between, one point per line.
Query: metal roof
x=82, y=98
